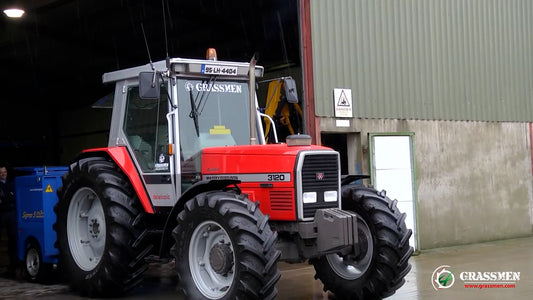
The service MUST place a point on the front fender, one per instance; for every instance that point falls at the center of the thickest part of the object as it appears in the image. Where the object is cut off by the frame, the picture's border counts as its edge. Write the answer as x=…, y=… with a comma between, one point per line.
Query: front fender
x=199, y=187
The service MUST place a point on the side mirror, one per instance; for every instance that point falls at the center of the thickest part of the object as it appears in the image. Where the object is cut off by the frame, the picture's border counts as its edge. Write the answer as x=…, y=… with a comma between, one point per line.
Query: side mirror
x=149, y=85
x=290, y=90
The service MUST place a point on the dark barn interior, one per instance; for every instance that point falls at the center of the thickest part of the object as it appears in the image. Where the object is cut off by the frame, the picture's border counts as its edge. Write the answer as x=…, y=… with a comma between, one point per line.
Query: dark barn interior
x=54, y=56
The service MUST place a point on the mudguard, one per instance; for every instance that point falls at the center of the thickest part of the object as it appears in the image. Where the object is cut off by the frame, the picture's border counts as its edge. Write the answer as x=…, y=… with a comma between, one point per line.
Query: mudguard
x=122, y=158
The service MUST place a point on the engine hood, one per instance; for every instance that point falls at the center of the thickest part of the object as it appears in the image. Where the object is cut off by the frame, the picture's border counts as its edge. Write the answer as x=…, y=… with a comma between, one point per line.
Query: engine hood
x=252, y=158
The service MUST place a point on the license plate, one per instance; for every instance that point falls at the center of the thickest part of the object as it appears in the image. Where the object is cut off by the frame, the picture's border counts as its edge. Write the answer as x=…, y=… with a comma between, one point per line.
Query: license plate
x=219, y=70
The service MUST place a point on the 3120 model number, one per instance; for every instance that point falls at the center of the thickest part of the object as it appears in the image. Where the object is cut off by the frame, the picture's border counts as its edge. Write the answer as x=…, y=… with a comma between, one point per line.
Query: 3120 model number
x=276, y=177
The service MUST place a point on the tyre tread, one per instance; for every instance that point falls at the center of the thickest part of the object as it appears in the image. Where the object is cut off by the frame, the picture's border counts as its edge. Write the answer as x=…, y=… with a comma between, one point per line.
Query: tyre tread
x=391, y=248
x=258, y=268
x=123, y=264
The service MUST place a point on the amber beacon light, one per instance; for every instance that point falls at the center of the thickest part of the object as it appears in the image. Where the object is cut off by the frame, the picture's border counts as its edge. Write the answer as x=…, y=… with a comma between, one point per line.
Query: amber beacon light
x=211, y=54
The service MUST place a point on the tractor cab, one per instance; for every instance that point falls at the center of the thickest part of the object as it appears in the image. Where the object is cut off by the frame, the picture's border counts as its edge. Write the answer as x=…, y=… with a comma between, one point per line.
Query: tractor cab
x=166, y=112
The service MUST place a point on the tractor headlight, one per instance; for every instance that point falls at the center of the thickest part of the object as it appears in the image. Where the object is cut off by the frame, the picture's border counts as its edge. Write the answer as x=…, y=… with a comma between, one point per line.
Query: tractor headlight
x=330, y=196
x=309, y=197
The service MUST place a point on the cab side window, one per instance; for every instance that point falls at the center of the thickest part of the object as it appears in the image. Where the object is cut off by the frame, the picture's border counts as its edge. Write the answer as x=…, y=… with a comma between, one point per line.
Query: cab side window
x=146, y=129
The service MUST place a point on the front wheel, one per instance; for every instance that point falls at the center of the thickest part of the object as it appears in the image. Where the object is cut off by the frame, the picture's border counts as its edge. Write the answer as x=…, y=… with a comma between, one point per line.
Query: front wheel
x=225, y=249
x=381, y=263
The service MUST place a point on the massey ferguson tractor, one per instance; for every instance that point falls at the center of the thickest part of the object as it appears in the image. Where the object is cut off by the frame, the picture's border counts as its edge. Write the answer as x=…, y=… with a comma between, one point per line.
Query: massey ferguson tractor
x=187, y=175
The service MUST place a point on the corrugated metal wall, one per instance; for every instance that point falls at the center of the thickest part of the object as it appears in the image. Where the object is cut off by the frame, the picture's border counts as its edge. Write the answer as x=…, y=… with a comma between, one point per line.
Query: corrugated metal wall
x=425, y=59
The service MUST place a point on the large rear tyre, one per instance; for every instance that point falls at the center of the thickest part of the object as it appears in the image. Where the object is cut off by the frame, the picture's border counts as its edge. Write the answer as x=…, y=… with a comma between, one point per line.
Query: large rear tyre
x=225, y=249
x=100, y=229
x=383, y=243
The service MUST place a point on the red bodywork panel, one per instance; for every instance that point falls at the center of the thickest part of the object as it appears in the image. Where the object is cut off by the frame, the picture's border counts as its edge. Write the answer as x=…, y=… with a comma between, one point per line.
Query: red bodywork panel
x=263, y=171
x=122, y=158
x=267, y=173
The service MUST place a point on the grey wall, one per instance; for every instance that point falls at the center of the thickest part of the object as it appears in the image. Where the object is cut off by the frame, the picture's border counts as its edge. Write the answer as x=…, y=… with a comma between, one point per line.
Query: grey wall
x=425, y=59
x=473, y=179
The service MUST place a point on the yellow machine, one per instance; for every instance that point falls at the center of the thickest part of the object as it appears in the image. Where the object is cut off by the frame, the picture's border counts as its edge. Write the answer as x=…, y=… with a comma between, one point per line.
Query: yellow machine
x=283, y=108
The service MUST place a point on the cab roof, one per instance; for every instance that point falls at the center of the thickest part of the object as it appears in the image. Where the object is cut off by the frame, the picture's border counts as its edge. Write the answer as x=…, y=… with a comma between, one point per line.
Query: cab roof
x=187, y=66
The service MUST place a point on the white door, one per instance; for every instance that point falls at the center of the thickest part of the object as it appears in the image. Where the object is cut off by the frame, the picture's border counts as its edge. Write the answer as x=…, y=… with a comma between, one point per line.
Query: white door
x=392, y=171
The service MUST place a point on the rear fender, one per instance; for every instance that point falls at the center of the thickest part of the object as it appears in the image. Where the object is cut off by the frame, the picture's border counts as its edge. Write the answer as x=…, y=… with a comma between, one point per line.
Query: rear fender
x=199, y=187
x=353, y=179
x=123, y=159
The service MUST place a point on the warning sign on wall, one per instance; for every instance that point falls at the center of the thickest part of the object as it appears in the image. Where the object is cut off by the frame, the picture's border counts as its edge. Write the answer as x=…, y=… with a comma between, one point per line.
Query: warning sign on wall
x=343, y=103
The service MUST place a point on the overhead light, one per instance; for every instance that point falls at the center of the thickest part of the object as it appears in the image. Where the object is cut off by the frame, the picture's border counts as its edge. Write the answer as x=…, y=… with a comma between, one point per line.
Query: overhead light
x=14, y=12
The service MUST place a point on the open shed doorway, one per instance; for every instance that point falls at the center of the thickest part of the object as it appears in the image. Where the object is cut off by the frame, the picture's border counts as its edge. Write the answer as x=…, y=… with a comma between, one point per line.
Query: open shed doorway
x=338, y=142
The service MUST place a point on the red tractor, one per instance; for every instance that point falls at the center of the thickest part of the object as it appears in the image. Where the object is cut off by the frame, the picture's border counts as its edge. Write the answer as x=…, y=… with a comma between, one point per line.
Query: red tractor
x=187, y=175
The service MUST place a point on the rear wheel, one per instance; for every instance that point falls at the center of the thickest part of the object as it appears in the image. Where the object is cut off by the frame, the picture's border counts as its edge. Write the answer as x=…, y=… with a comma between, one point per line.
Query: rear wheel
x=100, y=229
x=225, y=249
x=379, y=268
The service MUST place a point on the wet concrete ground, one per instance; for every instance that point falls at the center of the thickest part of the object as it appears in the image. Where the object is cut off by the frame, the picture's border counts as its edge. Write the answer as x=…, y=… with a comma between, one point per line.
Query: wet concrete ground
x=514, y=257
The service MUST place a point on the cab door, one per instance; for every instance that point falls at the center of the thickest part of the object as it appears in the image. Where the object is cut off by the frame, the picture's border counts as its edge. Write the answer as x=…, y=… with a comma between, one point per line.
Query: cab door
x=146, y=129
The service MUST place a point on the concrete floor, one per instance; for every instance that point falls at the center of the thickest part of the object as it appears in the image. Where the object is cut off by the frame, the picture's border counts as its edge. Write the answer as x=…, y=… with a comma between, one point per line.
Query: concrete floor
x=514, y=255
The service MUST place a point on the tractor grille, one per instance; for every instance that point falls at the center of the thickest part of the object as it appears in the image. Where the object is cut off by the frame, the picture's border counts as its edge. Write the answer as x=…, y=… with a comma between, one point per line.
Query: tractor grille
x=320, y=173
x=281, y=200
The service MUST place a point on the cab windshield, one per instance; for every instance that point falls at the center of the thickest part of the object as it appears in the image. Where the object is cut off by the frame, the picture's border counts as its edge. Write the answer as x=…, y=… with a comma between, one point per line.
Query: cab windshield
x=212, y=112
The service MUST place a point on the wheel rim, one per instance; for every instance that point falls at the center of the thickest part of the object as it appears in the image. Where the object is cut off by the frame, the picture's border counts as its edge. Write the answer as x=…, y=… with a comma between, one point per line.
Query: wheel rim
x=211, y=260
x=86, y=229
x=32, y=262
x=351, y=268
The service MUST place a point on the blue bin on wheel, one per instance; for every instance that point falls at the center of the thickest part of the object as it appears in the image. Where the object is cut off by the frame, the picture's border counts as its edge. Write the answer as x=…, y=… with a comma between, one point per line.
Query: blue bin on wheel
x=36, y=195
